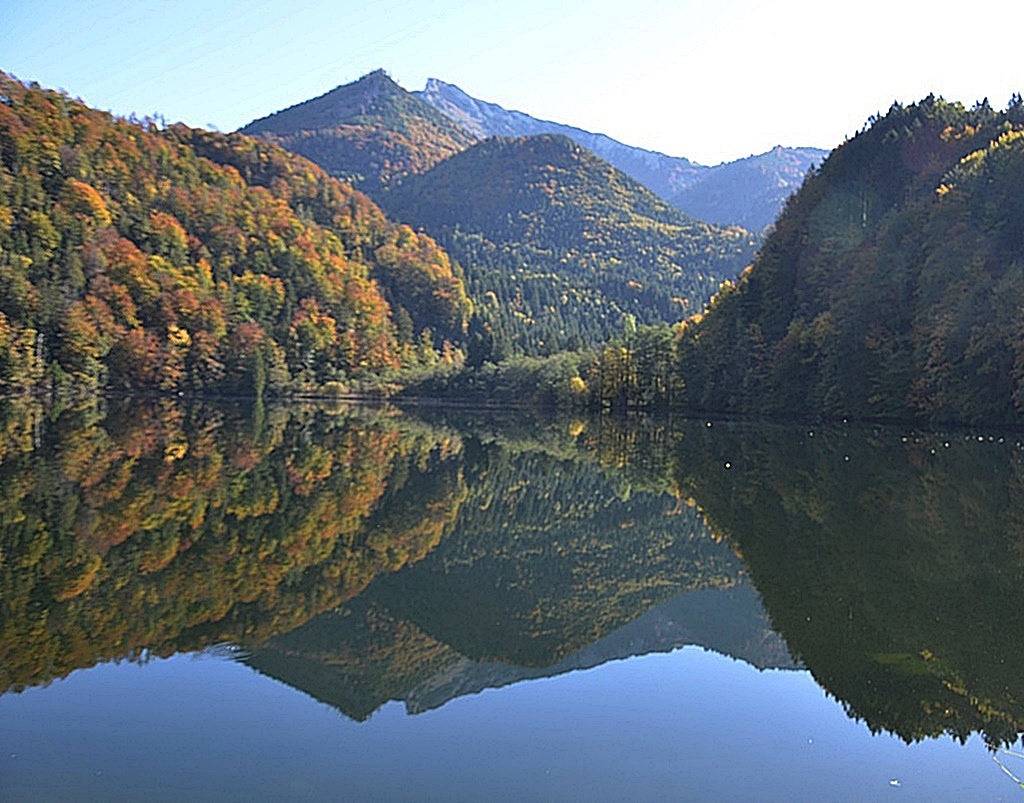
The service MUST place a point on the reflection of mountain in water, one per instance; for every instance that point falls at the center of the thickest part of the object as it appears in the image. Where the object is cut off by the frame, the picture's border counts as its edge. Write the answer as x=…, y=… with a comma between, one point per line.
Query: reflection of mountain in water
x=551, y=565
x=157, y=528
x=545, y=558
x=401, y=663
x=729, y=621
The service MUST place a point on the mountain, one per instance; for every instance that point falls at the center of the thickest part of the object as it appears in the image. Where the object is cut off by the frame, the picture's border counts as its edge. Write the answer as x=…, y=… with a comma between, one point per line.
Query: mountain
x=891, y=286
x=748, y=192
x=183, y=260
x=371, y=132
x=559, y=248
x=558, y=245
x=663, y=175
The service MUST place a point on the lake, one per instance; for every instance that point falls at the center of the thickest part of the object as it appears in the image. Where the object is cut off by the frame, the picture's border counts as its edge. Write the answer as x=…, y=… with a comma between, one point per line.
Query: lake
x=204, y=601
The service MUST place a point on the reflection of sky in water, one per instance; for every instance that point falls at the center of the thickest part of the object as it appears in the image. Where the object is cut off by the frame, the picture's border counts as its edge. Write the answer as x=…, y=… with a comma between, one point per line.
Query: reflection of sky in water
x=688, y=725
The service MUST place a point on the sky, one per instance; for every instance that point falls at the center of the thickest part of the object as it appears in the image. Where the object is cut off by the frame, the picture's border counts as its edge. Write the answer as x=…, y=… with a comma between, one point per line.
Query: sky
x=714, y=80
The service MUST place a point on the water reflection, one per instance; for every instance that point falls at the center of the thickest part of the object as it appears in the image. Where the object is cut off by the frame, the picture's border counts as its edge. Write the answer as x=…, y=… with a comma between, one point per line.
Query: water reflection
x=892, y=562
x=155, y=529
x=365, y=556
x=362, y=656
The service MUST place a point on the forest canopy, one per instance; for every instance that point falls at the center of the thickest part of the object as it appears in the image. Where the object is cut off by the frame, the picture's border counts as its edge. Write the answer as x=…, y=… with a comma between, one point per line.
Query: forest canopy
x=140, y=258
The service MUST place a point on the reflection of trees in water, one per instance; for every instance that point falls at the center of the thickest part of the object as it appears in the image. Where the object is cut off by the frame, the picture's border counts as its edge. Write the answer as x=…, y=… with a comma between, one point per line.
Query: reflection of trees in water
x=549, y=555
x=548, y=561
x=159, y=527
x=892, y=563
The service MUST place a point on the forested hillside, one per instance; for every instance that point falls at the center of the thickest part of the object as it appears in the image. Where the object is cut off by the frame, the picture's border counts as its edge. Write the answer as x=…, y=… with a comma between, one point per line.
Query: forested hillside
x=889, y=289
x=135, y=258
x=559, y=246
x=892, y=285
x=371, y=132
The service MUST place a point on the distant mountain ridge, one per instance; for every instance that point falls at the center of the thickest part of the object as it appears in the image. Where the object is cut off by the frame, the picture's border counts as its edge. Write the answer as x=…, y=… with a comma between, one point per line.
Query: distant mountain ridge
x=374, y=133
x=663, y=175
x=748, y=192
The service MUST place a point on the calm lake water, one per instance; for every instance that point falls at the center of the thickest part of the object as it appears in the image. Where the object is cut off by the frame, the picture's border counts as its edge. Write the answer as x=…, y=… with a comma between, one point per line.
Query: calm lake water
x=203, y=602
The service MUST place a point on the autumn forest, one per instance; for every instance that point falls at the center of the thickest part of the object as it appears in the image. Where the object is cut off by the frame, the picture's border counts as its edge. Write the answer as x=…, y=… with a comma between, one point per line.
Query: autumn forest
x=137, y=257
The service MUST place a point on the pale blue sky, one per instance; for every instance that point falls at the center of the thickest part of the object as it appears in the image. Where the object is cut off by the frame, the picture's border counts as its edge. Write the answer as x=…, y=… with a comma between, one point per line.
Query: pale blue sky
x=713, y=81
